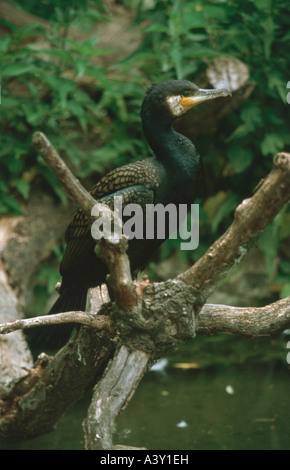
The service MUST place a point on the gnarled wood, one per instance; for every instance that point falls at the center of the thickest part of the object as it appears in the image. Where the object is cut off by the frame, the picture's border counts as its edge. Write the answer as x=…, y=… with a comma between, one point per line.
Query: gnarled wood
x=112, y=394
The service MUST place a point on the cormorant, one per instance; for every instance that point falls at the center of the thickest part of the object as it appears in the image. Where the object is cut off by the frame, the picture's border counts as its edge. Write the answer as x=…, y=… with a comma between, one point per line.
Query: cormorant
x=172, y=175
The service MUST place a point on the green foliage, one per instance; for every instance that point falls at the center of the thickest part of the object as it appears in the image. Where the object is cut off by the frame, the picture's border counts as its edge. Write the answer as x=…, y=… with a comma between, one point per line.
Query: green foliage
x=41, y=91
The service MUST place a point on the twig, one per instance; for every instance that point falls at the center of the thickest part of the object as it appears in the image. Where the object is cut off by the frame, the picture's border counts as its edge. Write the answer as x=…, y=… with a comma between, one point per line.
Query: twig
x=99, y=322
x=71, y=184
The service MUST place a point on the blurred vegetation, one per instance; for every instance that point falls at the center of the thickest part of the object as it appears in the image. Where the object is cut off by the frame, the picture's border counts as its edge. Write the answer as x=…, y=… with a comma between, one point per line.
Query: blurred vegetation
x=97, y=127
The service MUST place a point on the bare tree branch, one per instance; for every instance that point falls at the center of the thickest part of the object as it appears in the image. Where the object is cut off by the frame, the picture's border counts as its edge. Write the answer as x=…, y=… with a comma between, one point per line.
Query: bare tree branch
x=100, y=322
x=71, y=184
x=250, y=218
x=112, y=394
x=250, y=322
x=113, y=253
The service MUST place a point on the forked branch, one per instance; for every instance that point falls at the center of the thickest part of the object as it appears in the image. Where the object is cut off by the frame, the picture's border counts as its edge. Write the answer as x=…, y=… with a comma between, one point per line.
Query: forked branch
x=191, y=291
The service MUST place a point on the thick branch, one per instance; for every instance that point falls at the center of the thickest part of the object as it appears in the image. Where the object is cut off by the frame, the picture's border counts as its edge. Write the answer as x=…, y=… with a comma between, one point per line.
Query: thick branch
x=112, y=252
x=37, y=402
x=250, y=218
x=112, y=394
x=249, y=322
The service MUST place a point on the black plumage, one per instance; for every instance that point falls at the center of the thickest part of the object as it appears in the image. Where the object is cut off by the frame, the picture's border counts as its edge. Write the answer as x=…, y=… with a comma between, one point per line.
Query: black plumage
x=172, y=175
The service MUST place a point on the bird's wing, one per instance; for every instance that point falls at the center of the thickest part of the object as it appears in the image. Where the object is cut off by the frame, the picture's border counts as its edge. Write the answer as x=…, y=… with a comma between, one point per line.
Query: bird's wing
x=144, y=172
x=134, y=182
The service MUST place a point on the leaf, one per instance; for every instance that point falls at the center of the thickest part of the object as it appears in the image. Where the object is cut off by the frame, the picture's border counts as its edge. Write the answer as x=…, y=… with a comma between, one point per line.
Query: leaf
x=272, y=144
x=49, y=275
x=286, y=37
x=61, y=54
x=285, y=266
x=16, y=69
x=262, y=4
x=268, y=243
x=240, y=131
x=284, y=229
x=5, y=43
x=193, y=20
x=28, y=31
x=22, y=186
x=277, y=82
x=240, y=158
x=78, y=111
x=212, y=204
x=226, y=208
x=9, y=205
x=176, y=57
x=217, y=13
x=65, y=88
x=156, y=28
x=269, y=27
x=252, y=115
x=81, y=67
x=285, y=292
x=36, y=115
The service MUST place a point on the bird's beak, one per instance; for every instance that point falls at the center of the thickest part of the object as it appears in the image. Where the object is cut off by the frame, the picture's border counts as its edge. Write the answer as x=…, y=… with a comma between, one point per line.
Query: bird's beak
x=201, y=95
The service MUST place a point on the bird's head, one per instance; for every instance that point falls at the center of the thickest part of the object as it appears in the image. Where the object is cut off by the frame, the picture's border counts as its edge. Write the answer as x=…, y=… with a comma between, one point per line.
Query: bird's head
x=172, y=98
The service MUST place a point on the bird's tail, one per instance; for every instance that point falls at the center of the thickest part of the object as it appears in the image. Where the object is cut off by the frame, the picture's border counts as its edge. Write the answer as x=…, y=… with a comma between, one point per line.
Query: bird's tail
x=55, y=336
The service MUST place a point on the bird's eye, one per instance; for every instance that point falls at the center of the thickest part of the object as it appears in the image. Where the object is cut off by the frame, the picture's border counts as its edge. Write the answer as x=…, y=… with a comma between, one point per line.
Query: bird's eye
x=186, y=94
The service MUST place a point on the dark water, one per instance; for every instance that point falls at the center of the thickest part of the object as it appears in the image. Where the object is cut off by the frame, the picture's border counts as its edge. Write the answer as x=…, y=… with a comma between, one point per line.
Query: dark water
x=219, y=392
x=235, y=408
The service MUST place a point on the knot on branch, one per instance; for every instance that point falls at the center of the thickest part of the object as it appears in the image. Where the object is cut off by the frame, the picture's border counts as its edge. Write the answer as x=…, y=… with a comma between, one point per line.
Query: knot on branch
x=164, y=318
x=282, y=161
x=108, y=249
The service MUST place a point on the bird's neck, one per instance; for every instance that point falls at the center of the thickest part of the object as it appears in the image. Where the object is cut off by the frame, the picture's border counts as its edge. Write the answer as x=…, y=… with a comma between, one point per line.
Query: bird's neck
x=171, y=148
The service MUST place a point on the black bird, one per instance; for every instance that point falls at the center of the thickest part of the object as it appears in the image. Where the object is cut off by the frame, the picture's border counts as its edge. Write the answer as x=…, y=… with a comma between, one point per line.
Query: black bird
x=172, y=175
